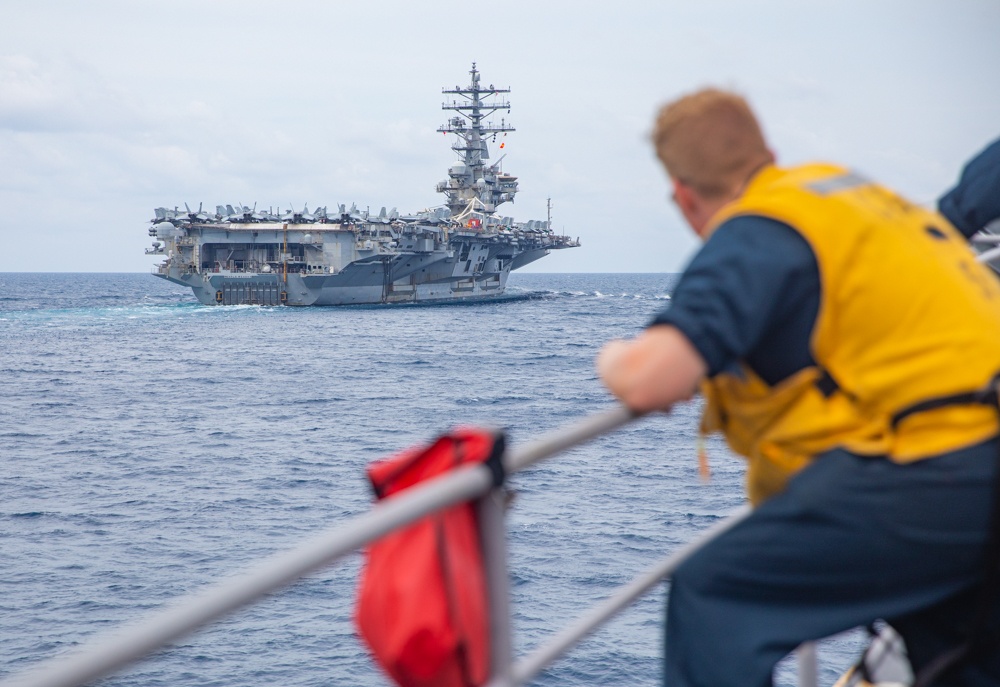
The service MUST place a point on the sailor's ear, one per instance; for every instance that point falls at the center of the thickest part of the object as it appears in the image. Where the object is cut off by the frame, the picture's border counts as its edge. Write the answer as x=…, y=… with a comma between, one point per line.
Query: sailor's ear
x=686, y=199
x=697, y=210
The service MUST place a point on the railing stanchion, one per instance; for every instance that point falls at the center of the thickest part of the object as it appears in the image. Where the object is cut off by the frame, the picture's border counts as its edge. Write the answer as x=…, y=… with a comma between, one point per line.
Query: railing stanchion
x=493, y=535
x=808, y=671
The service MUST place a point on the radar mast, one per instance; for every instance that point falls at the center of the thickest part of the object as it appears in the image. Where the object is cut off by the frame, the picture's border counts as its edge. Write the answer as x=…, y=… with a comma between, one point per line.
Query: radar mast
x=473, y=186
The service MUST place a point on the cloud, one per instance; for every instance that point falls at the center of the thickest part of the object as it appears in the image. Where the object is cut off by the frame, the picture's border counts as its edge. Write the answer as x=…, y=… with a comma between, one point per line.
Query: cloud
x=109, y=108
x=59, y=97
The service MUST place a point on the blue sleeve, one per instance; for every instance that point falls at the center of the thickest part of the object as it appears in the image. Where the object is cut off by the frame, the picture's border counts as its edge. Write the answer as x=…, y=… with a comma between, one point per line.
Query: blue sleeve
x=751, y=293
x=975, y=200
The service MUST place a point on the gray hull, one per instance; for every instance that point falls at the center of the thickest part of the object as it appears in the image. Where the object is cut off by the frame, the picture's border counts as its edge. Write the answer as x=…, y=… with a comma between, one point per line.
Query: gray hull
x=468, y=269
x=361, y=288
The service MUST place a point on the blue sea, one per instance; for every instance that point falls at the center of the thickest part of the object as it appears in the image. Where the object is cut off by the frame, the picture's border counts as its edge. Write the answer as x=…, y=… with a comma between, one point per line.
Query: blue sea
x=152, y=446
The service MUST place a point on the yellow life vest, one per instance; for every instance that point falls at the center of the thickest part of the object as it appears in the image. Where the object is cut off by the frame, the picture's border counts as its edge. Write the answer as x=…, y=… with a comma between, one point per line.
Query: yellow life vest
x=906, y=315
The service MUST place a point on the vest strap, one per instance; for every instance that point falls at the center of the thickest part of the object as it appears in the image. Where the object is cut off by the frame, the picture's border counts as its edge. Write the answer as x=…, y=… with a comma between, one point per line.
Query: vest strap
x=826, y=384
x=988, y=396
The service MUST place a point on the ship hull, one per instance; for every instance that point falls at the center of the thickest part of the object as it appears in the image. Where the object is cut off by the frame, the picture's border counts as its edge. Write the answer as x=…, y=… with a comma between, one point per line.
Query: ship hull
x=331, y=290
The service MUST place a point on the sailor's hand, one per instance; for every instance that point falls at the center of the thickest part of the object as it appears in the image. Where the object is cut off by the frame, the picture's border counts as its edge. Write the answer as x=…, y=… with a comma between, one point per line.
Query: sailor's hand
x=609, y=356
x=610, y=363
x=652, y=371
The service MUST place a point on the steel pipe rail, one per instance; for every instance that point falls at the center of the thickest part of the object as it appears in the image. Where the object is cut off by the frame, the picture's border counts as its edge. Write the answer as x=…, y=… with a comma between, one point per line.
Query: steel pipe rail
x=110, y=652
x=567, y=437
x=988, y=255
x=986, y=238
x=113, y=651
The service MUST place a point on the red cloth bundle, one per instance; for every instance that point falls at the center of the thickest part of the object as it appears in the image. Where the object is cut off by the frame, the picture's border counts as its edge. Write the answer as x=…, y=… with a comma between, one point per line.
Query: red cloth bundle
x=422, y=600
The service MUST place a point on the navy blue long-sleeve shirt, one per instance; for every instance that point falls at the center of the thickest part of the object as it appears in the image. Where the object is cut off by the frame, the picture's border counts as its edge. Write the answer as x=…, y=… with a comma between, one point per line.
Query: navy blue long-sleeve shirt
x=751, y=293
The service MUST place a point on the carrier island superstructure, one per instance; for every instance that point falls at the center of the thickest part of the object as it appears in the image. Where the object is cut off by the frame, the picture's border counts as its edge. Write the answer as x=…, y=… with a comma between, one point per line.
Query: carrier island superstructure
x=462, y=250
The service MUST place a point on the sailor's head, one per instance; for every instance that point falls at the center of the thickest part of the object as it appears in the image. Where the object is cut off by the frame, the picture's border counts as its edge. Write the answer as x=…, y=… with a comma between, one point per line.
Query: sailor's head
x=710, y=144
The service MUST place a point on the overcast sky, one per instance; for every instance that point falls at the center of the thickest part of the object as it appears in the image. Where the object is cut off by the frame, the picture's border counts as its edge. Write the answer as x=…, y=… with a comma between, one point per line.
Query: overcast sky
x=109, y=109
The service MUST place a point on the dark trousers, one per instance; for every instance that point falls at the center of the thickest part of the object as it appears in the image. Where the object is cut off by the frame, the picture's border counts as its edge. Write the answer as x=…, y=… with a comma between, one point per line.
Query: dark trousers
x=851, y=540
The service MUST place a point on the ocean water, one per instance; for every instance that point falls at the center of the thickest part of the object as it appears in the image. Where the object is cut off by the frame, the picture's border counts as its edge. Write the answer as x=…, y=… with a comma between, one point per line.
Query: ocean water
x=152, y=446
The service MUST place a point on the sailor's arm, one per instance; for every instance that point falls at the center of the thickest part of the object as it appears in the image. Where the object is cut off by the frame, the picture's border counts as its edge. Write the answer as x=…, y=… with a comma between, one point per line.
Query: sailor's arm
x=652, y=371
x=975, y=201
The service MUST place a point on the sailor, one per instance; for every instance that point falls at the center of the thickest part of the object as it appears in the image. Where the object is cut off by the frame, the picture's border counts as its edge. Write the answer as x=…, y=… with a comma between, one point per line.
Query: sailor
x=847, y=344
x=975, y=201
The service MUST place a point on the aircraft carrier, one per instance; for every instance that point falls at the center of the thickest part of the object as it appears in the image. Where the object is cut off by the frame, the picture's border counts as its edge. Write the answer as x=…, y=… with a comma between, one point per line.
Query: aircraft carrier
x=463, y=249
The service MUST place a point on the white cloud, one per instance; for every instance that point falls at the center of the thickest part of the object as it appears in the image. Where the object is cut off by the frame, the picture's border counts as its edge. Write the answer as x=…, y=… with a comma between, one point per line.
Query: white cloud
x=109, y=108
x=49, y=96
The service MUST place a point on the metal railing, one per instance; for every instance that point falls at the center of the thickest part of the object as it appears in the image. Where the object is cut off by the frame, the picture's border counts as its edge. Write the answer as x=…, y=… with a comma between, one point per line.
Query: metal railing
x=110, y=652
x=988, y=255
